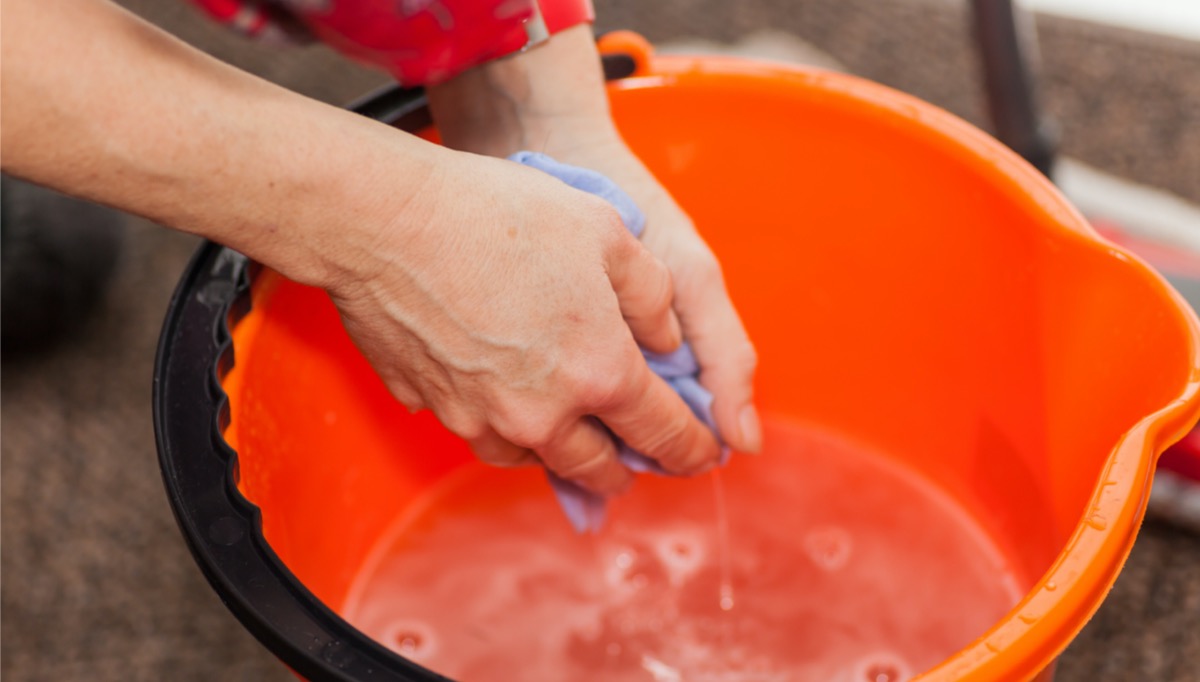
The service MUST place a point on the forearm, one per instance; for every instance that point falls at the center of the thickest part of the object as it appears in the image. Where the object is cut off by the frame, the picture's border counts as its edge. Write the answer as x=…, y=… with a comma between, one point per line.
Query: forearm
x=99, y=104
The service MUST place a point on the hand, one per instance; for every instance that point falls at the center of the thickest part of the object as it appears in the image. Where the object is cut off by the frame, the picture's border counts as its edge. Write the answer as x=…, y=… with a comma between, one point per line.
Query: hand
x=552, y=99
x=707, y=317
x=512, y=306
x=504, y=301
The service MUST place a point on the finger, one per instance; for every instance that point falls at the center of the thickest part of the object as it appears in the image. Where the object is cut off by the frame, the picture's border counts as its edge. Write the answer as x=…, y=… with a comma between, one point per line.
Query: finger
x=492, y=449
x=726, y=356
x=586, y=454
x=652, y=419
x=404, y=393
x=645, y=293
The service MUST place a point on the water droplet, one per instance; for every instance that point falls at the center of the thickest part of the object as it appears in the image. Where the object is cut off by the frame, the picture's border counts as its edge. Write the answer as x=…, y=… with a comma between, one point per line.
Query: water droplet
x=1027, y=619
x=991, y=647
x=1098, y=522
x=882, y=672
x=338, y=653
x=624, y=560
x=1051, y=586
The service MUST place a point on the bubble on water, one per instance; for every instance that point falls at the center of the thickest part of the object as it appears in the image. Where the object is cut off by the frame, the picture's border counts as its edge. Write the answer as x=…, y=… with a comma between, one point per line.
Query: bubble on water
x=681, y=555
x=409, y=642
x=829, y=547
x=882, y=673
x=411, y=639
x=635, y=570
x=684, y=552
x=883, y=667
x=620, y=567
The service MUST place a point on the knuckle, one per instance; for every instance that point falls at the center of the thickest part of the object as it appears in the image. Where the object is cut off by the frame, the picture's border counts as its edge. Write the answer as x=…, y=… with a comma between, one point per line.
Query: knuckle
x=584, y=467
x=605, y=219
x=667, y=441
x=625, y=247
x=528, y=430
x=703, y=266
x=407, y=396
x=501, y=454
x=606, y=382
x=746, y=357
x=461, y=422
x=661, y=291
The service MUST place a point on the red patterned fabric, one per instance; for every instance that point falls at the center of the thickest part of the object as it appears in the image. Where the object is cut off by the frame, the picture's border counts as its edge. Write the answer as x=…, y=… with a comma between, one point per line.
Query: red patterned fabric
x=420, y=42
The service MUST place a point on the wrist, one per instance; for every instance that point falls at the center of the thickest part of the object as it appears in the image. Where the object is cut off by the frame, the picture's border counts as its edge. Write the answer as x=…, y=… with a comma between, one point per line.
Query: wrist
x=381, y=188
x=317, y=189
x=551, y=95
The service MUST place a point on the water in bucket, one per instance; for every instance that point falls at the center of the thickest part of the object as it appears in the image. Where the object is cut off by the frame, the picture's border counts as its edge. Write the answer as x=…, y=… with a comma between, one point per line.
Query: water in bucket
x=839, y=564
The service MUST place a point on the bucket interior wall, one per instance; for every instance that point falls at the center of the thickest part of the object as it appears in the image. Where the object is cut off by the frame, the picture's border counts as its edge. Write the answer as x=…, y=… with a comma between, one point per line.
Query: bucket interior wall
x=899, y=287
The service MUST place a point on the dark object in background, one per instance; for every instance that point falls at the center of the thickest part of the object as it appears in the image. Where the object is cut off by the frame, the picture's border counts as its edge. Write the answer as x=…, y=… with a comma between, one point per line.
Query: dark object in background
x=1008, y=51
x=57, y=253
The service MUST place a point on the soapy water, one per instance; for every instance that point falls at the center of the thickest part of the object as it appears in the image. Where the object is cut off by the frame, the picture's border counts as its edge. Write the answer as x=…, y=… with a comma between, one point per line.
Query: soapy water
x=825, y=562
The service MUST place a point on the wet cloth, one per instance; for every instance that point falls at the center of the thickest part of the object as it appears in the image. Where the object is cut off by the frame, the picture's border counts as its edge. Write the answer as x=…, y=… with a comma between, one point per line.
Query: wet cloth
x=679, y=369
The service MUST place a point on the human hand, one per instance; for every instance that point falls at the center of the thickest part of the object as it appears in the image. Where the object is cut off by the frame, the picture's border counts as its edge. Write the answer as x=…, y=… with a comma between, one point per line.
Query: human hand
x=552, y=99
x=512, y=306
x=707, y=317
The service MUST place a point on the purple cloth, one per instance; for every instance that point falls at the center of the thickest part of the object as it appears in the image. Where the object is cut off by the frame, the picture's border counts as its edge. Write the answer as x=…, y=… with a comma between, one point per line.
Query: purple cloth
x=583, y=508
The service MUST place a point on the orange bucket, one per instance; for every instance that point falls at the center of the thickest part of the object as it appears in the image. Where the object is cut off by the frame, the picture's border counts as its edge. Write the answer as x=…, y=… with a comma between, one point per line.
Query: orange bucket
x=908, y=282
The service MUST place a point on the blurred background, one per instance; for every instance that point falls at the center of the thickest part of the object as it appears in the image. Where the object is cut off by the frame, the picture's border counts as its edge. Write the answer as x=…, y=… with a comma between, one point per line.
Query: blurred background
x=98, y=584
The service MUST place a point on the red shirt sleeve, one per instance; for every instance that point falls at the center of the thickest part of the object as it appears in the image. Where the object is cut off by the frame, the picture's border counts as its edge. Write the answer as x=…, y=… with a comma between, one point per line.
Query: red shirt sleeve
x=420, y=42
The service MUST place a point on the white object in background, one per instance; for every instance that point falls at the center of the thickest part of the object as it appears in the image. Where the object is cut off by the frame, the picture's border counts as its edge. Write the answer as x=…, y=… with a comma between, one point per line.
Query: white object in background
x=1141, y=211
x=1179, y=18
x=1175, y=499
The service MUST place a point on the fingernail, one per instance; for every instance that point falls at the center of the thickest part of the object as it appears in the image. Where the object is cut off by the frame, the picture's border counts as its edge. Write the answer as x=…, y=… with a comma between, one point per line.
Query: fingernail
x=751, y=430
